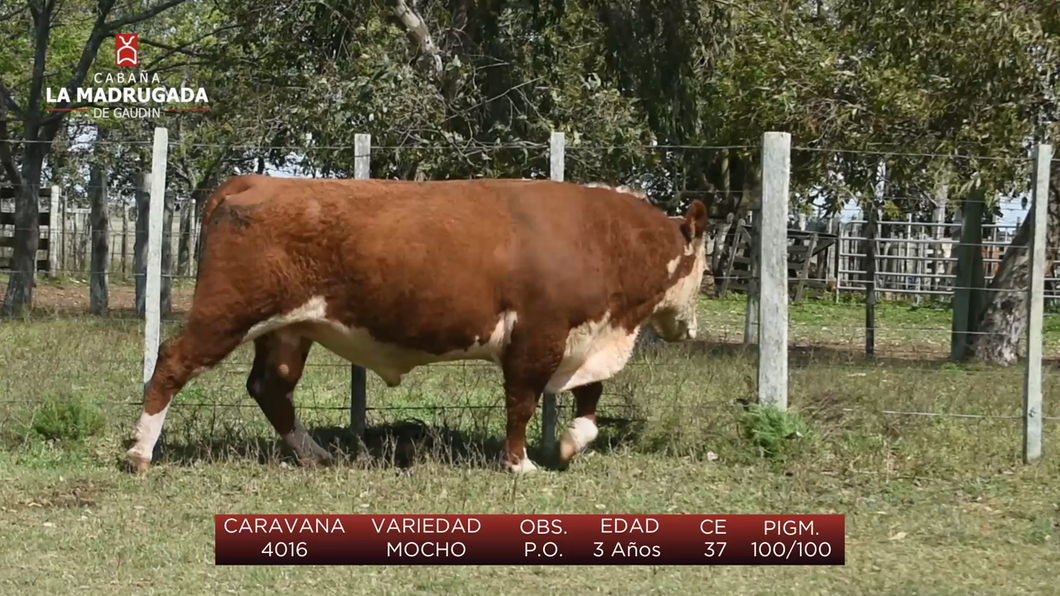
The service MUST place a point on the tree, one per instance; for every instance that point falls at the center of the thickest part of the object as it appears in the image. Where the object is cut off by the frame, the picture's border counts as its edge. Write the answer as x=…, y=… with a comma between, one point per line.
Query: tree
x=25, y=104
x=1005, y=316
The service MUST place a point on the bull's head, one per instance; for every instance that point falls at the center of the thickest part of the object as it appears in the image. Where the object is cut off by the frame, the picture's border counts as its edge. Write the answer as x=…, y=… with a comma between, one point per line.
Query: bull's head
x=674, y=318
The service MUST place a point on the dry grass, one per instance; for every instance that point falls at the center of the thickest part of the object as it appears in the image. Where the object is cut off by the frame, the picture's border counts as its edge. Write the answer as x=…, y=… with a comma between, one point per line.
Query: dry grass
x=975, y=520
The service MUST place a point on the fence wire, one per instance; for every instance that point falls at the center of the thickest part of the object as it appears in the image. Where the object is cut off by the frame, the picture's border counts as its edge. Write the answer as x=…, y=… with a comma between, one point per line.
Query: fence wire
x=908, y=375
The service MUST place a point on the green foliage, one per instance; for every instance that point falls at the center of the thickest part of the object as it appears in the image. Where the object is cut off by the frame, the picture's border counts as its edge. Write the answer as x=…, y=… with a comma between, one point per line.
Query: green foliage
x=773, y=431
x=68, y=419
x=290, y=85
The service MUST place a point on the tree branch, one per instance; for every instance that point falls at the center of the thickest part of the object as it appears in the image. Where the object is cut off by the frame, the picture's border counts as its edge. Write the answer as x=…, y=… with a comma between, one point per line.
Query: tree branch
x=14, y=13
x=7, y=160
x=143, y=16
x=9, y=101
x=42, y=30
x=88, y=55
x=418, y=31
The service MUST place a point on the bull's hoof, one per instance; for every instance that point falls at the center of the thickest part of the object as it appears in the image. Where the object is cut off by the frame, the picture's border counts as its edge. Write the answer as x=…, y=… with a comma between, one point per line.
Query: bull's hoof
x=317, y=460
x=567, y=451
x=575, y=439
x=138, y=462
x=523, y=466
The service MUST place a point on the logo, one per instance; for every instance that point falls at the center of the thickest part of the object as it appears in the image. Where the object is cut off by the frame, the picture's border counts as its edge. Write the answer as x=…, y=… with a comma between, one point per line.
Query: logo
x=131, y=92
x=126, y=52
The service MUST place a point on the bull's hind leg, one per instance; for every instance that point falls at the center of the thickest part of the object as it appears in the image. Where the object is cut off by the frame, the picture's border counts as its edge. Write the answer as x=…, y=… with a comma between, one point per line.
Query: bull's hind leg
x=199, y=346
x=582, y=430
x=520, y=401
x=279, y=360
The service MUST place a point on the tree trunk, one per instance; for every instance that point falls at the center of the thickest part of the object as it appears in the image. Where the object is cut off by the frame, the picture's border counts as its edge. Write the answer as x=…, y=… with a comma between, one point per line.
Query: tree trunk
x=167, y=254
x=1005, y=316
x=27, y=234
x=187, y=215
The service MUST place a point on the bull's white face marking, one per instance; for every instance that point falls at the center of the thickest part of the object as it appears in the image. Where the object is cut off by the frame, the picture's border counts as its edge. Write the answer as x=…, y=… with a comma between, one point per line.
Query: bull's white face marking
x=577, y=437
x=674, y=318
x=147, y=432
x=525, y=466
x=595, y=351
x=357, y=345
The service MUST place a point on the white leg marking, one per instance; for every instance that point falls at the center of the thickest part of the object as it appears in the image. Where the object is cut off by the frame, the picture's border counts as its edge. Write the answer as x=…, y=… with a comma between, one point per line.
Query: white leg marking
x=147, y=432
x=523, y=467
x=577, y=437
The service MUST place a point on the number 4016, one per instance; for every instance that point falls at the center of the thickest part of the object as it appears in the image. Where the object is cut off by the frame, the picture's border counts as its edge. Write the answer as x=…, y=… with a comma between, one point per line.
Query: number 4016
x=284, y=549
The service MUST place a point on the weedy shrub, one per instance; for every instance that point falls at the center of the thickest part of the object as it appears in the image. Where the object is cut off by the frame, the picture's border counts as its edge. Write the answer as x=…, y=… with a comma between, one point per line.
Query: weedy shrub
x=774, y=432
x=64, y=418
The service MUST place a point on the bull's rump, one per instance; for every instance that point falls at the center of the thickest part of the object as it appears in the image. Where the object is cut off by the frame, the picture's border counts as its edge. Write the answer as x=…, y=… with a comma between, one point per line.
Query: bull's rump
x=435, y=267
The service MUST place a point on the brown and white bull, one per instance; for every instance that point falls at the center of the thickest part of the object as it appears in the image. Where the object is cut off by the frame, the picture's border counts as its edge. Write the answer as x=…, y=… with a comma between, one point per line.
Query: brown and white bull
x=551, y=281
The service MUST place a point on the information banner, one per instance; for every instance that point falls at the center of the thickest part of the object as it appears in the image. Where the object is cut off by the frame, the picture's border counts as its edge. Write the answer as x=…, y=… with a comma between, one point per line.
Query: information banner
x=529, y=539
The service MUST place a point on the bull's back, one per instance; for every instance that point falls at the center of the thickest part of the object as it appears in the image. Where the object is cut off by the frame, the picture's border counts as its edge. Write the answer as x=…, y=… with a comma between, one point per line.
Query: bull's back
x=457, y=247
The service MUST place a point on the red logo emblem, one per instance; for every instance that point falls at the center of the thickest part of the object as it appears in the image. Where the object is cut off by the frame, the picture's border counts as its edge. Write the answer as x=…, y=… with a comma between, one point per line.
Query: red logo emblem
x=126, y=52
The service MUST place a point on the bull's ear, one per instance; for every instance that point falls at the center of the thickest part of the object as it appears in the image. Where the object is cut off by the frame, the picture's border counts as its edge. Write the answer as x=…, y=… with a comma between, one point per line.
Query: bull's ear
x=695, y=221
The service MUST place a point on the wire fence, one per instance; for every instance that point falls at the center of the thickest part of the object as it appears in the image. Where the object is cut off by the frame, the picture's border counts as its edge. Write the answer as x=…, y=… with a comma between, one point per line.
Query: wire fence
x=908, y=373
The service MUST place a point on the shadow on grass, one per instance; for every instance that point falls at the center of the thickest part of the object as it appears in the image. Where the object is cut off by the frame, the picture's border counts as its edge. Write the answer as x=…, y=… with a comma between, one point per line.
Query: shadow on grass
x=398, y=446
x=392, y=446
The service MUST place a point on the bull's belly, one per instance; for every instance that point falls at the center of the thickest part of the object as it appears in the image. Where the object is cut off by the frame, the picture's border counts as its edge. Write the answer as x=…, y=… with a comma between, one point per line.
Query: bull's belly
x=391, y=362
x=594, y=351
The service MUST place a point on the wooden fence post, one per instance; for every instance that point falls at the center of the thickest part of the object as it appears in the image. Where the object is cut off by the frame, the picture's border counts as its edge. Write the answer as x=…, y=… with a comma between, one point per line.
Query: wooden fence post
x=142, y=188
x=167, y=253
x=870, y=279
x=967, y=293
x=549, y=407
x=153, y=287
x=773, y=272
x=938, y=267
x=125, y=241
x=1032, y=384
x=97, y=283
x=749, y=327
x=55, y=235
x=362, y=161
x=842, y=263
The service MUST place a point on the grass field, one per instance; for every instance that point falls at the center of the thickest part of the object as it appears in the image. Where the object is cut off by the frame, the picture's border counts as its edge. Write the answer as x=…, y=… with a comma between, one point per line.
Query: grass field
x=934, y=504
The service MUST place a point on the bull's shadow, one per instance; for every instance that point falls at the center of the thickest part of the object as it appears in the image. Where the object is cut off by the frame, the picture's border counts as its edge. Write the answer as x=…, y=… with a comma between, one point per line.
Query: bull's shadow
x=398, y=446
x=392, y=446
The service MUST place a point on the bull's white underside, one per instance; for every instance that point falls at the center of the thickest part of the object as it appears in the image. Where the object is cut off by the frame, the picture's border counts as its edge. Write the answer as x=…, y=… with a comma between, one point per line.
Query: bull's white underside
x=595, y=350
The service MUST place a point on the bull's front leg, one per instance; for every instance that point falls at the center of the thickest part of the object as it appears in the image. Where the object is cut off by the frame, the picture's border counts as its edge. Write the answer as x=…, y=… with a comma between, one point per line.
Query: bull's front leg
x=583, y=429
